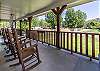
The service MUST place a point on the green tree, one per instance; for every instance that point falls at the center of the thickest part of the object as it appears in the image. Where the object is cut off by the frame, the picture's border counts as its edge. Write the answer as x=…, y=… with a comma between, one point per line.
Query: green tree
x=50, y=18
x=74, y=19
x=35, y=22
x=43, y=23
x=24, y=25
x=4, y=24
x=80, y=18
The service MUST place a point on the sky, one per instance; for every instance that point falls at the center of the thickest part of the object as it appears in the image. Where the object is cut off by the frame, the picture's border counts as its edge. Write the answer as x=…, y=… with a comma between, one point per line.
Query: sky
x=92, y=10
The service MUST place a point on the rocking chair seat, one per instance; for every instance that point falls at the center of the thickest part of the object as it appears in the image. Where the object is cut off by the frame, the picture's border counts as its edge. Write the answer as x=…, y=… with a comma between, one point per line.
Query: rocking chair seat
x=28, y=51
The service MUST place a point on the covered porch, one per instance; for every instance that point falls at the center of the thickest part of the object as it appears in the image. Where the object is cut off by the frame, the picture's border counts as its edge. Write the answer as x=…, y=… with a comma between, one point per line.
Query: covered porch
x=58, y=50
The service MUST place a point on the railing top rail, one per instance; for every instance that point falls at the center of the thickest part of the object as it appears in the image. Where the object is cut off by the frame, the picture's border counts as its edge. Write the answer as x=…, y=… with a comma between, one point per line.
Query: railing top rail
x=78, y=32
x=90, y=33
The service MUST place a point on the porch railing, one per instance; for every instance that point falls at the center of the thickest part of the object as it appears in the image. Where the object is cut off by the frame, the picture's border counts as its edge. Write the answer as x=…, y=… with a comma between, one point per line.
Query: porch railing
x=87, y=44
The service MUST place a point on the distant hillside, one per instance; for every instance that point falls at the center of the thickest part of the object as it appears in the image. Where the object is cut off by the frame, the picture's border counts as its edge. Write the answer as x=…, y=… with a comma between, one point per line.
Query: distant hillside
x=97, y=19
x=94, y=19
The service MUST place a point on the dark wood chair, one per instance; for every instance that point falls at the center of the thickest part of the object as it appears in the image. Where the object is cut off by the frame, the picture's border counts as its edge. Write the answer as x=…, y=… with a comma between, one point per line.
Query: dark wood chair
x=21, y=38
x=25, y=53
x=5, y=35
x=7, y=41
x=11, y=43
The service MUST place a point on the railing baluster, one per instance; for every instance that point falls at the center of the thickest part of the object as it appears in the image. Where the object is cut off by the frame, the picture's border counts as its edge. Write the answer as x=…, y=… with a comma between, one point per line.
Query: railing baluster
x=86, y=37
x=44, y=36
x=38, y=35
x=54, y=38
x=67, y=41
x=64, y=40
x=71, y=43
x=80, y=43
x=99, y=43
x=61, y=40
x=93, y=46
x=75, y=42
x=49, y=37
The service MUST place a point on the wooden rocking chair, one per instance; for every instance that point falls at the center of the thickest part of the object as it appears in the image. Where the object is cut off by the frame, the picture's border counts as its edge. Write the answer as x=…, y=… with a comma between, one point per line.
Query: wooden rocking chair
x=25, y=53
x=21, y=38
x=11, y=43
x=8, y=42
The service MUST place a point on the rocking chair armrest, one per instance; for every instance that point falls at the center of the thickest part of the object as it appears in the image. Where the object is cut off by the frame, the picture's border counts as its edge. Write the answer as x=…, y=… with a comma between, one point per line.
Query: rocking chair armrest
x=35, y=46
x=21, y=37
x=26, y=42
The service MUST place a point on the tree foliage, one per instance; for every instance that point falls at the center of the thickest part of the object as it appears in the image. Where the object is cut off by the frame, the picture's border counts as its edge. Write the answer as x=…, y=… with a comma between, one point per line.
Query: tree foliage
x=74, y=19
x=43, y=23
x=35, y=22
x=50, y=18
x=24, y=25
x=92, y=24
x=4, y=24
x=40, y=23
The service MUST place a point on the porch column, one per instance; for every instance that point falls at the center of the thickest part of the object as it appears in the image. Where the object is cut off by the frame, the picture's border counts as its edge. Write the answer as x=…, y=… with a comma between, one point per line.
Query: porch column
x=30, y=21
x=57, y=11
x=11, y=20
x=26, y=28
x=14, y=23
x=20, y=28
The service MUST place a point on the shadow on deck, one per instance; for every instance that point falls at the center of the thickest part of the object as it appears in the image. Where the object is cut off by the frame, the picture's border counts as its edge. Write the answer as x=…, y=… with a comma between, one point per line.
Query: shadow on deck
x=53, y=60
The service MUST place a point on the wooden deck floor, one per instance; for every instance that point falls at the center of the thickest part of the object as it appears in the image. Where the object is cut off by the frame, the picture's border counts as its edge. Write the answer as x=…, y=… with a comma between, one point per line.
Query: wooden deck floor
x=53, y=60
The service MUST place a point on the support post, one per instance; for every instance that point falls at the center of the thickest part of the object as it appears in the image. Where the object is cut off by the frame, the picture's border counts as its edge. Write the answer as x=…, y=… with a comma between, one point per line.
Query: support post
x=11, y=20
x=58, y=12
x=14, y=23
x=30, y=20
x=58, y=31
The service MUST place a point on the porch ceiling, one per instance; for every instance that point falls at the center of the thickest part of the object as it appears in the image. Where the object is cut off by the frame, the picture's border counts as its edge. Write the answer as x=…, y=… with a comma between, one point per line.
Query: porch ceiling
x=25, y=8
